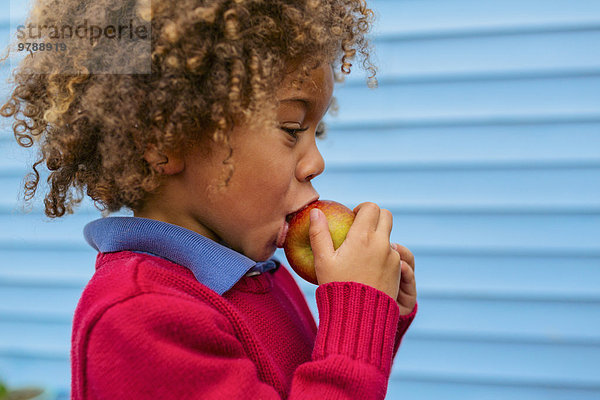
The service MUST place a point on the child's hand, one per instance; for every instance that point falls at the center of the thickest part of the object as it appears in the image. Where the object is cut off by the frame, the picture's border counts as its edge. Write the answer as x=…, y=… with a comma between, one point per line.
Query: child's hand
x=365, y=256
x=407, y=295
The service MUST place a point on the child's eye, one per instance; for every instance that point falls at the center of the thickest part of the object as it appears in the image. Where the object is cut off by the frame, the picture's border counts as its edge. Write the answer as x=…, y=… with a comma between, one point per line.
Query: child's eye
x=293, y=132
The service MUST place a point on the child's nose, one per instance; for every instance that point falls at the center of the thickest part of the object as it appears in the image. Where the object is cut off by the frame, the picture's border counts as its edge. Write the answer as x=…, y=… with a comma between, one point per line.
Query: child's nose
x=310, y=165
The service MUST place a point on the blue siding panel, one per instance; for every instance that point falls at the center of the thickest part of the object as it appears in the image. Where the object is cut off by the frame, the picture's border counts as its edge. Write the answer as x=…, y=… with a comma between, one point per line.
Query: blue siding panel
x=501, y=362
x=452, y=388
x=563, y=51
x=575, y=96
x=467, y=188
x=532, y=143
x=408, y=17
x=483, y=139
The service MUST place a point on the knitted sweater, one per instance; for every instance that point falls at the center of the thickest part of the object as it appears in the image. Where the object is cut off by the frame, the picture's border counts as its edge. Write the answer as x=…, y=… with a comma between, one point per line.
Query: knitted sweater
x=145, y=328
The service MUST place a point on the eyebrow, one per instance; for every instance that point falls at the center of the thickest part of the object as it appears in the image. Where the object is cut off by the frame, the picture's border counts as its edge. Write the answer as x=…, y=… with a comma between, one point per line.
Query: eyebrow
x=307, y=103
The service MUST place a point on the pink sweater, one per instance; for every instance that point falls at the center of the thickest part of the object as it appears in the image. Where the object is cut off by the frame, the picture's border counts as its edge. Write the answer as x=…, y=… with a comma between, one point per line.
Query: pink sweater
x=145, y=328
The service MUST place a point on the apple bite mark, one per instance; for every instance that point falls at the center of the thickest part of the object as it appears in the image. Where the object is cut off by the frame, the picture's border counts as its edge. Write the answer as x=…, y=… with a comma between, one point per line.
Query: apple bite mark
x=297, y=242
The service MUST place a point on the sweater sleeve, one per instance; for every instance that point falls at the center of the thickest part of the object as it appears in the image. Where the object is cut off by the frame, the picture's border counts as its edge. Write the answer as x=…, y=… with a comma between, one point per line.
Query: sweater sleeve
x=403, y=324
x=162, y=346
x=355, y=341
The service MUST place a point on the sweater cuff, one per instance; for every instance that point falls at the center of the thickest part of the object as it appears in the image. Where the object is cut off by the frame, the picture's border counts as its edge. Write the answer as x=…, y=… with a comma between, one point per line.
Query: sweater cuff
x=408, y=318
x=357, y=321
x=403, y=323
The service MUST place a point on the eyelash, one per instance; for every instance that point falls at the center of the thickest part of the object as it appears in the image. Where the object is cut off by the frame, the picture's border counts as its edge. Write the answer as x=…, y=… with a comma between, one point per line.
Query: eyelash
x=320, y=133
x=294, y=132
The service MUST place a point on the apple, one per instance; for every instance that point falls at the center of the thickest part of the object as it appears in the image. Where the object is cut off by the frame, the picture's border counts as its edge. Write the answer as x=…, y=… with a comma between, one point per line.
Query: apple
x=297, y=241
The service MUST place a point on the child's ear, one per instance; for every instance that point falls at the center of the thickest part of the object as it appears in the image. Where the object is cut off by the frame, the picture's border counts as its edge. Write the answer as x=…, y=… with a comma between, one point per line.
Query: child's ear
x=167, y=163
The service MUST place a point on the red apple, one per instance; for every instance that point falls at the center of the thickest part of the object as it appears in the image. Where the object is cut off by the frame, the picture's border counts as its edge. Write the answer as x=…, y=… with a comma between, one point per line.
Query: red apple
x=297, y=241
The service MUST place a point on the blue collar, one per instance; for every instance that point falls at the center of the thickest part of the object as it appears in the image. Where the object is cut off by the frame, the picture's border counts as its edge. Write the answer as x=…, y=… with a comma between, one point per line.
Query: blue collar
x=213, y=264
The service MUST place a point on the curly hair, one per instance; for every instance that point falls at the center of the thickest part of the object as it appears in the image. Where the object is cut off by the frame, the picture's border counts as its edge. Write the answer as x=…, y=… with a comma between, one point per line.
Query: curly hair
x=212, y=64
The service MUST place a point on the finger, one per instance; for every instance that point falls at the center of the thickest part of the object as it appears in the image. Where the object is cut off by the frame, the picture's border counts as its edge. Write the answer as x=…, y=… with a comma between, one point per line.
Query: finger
x=407, y=280
x=406, y=303
x=367, y=217
x=406, y=255
x=408, y=274
x=318, y=232
x=385, y=222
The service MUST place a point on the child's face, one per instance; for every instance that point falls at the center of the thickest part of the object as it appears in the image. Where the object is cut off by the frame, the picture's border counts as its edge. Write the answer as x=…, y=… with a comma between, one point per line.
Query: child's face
x=271, y=177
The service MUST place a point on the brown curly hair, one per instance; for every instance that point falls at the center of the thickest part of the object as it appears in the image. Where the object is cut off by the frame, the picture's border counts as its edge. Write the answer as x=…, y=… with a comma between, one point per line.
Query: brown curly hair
x=212, y=63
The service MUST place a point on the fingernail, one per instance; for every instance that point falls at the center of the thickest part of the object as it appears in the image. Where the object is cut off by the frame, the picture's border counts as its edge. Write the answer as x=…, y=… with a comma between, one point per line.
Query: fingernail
x=314, y=215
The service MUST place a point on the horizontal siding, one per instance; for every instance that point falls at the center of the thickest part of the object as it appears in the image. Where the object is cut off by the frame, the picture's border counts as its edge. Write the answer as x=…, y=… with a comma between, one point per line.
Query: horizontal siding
x=34, y=228
x=476, y=388
x=483, y=139
x=470, y=191
x=503, y=362
x=36, y=370
x=503, y=275
x=429, y=17
x=30, y=302
x=531, y=144
x=65, y=268
x=493, y=56
x=33, y=339
x=472, y=101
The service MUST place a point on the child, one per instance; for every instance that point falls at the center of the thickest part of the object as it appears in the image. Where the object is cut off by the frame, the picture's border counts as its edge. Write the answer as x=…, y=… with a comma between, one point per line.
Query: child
x=212, y=151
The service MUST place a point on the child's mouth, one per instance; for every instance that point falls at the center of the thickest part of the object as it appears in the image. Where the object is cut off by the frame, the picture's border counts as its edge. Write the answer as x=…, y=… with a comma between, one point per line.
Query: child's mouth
x=282, y=234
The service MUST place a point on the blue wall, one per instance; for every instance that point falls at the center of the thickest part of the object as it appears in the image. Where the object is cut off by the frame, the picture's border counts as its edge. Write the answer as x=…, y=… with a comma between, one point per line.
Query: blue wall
x=483, y=138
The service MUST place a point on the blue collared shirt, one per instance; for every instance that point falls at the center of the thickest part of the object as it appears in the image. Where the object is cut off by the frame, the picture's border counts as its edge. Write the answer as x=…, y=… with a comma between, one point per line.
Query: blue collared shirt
x=213, y=264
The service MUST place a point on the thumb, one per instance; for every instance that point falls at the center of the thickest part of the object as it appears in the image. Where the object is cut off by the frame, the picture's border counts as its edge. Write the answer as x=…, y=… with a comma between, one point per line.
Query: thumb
x=318, y=232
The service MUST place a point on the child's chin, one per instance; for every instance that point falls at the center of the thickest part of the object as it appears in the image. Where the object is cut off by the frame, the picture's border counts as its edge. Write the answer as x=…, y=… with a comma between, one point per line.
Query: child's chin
x=267, y=253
